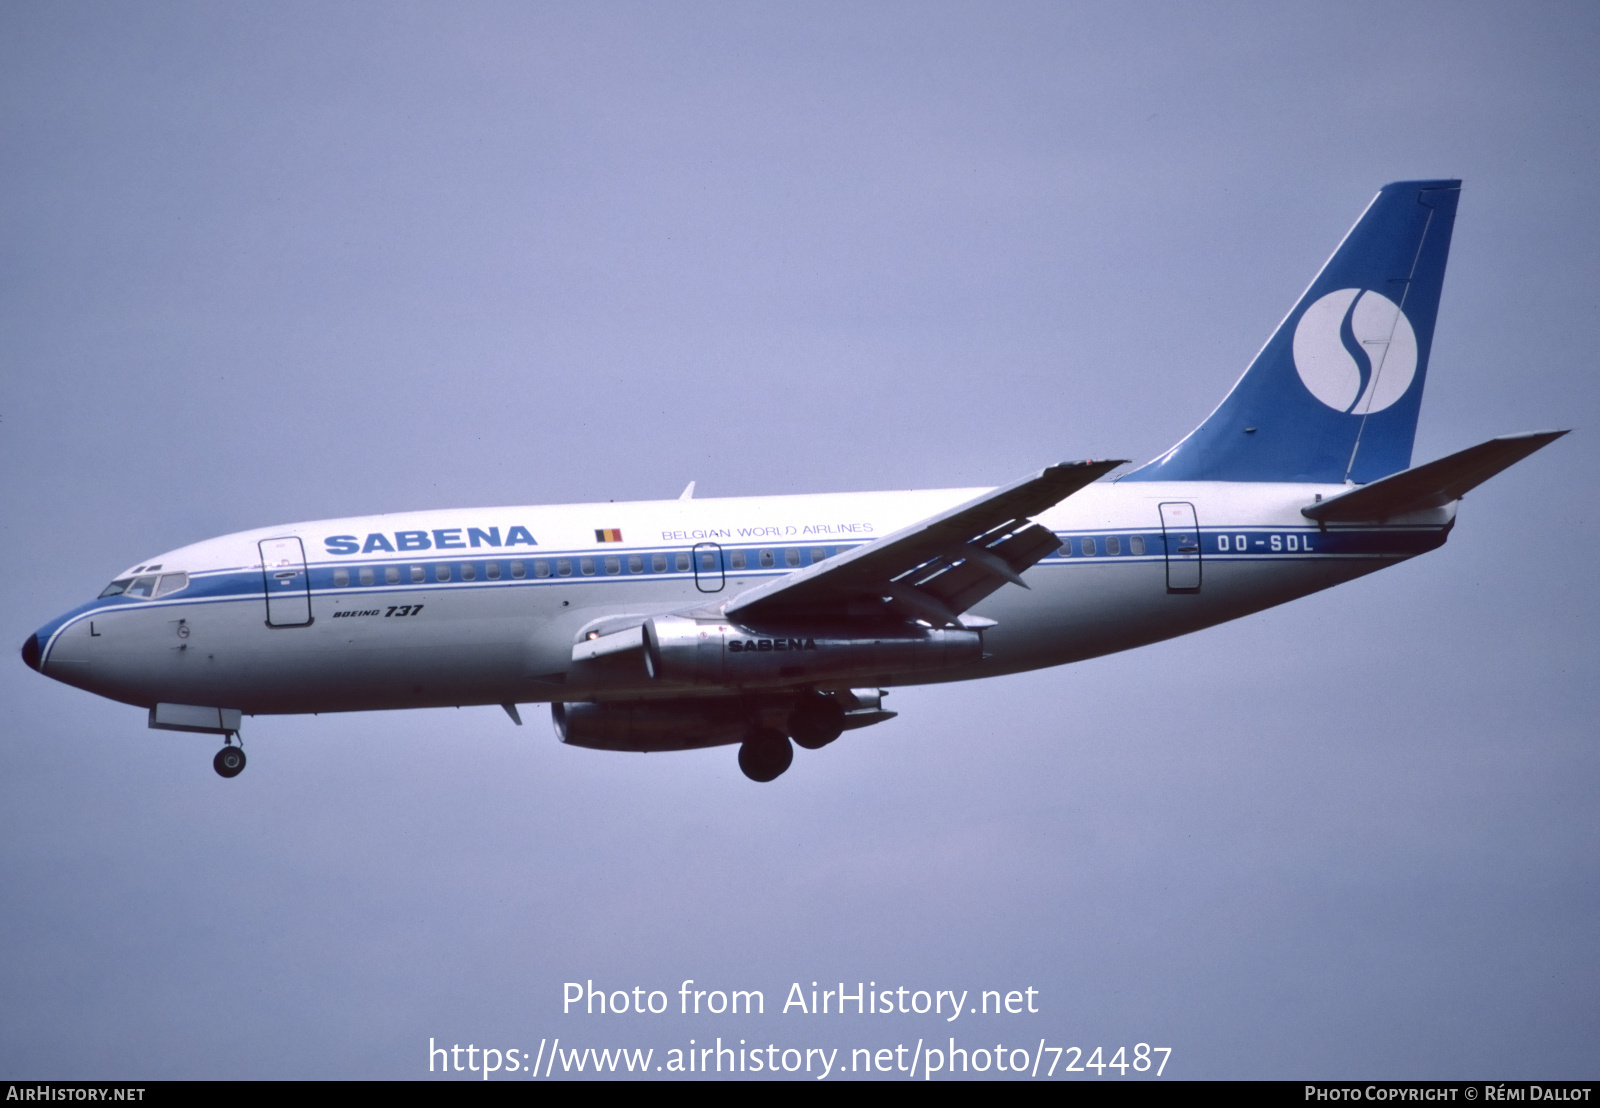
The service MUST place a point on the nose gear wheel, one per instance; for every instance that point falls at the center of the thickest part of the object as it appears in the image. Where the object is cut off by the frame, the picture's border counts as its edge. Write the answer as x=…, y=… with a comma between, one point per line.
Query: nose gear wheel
x=229, y=761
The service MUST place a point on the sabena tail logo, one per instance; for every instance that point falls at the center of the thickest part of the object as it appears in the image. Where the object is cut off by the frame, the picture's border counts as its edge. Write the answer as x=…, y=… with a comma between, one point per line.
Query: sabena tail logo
x=1355, y=351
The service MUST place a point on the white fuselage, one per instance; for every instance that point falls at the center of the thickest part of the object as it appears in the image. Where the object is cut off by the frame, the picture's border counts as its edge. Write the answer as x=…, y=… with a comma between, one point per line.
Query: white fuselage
x=484, y=606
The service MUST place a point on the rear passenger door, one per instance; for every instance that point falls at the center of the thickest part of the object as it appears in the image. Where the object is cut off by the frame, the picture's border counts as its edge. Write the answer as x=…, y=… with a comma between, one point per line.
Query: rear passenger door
x=1182, y=534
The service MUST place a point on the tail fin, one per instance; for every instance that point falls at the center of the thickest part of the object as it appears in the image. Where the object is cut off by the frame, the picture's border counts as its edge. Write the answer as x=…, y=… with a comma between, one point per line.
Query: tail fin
x=1334, y=394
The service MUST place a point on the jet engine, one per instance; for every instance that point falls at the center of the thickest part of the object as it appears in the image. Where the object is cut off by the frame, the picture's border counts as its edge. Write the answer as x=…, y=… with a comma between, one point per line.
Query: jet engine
x=651, y=725
x=812, y=719
x=688, y=651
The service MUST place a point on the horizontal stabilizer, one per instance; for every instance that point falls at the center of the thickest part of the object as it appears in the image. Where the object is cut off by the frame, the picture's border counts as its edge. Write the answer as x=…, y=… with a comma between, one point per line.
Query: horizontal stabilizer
x=1430, y=486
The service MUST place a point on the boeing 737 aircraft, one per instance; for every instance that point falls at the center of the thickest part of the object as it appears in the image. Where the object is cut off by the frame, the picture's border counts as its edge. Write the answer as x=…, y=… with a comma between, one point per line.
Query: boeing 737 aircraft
x=670, y=625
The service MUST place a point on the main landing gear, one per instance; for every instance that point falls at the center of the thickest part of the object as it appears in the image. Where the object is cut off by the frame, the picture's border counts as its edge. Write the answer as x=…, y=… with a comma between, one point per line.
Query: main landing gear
x=229, y=761
x=814, y=722
x=765, y=754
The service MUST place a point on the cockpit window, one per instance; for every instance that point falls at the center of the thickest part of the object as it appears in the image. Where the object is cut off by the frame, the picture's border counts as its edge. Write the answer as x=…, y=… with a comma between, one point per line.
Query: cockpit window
x=171, y=583
x=147, y=587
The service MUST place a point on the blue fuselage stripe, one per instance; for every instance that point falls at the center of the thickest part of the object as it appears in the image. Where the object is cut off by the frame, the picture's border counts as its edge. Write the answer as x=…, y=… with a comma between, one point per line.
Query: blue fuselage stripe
x=1239, y=544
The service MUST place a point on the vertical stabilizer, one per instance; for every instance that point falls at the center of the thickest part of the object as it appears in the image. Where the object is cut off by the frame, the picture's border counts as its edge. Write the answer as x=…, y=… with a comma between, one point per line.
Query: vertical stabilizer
x=1334, y=394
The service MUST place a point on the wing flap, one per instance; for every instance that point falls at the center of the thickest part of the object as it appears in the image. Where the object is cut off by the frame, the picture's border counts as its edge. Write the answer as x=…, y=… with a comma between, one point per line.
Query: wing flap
x=964, y=585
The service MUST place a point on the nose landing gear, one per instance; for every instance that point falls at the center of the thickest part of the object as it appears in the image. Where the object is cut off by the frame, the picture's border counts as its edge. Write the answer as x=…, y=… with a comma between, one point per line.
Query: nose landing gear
x=229, y=761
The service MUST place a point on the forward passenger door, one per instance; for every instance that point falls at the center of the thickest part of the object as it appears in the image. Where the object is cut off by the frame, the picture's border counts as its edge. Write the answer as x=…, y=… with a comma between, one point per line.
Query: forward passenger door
x=287, y=584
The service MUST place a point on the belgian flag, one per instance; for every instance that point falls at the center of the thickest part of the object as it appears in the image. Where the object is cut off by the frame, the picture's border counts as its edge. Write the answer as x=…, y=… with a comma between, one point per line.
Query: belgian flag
x=608, y=534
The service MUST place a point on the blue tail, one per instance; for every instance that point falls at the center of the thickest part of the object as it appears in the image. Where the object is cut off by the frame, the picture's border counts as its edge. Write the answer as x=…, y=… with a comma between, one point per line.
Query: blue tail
x=1334, y=394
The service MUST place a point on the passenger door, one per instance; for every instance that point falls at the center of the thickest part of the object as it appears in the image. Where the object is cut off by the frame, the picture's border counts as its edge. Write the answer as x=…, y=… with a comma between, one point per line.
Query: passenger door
x=1182, y=534
x=287, y=584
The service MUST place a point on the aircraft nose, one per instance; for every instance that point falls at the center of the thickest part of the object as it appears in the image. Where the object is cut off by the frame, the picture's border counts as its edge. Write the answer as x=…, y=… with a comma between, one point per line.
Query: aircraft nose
x=30, y=652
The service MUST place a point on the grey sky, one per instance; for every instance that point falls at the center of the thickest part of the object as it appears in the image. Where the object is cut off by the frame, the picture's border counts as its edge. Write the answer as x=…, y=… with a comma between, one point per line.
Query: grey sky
x=277, y=262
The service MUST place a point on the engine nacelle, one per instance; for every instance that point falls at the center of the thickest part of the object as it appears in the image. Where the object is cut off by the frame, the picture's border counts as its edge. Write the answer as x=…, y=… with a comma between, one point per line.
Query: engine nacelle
x=716, y=652
x=652, y=724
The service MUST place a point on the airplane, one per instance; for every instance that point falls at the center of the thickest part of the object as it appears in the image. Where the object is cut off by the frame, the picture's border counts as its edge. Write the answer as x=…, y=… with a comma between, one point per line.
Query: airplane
x=770, y=622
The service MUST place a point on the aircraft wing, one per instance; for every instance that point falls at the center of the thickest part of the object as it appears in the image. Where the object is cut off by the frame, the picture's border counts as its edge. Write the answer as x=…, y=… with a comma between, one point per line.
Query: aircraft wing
x=933, y=570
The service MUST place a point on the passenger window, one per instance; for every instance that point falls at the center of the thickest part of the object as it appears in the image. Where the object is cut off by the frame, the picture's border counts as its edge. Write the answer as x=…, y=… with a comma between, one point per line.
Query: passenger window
x=418, y=574
x=817, y=554
x=766, y=558
x=469, y=572
x=518, y=570
x=391, y=574
x=791, y=557
x=541, y=569
x=143, y=588
x=587, y=565
x=341, y=577
x=441, y=572
x=1066, y=549
x=658, y=563
x=613, y=565
x=171, y=583
x=492, y=571
x=682, y=562
x=708, y=560
x=366, y=575
x=635, y=563
x=1136, y=544
x=736, y=559
x=1113, y=545
x=563, y=567
x=1088, y=548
